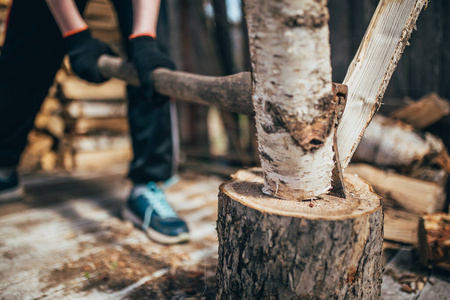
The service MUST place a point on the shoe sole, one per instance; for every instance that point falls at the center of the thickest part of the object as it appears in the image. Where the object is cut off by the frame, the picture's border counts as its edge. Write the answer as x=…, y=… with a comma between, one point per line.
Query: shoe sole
x=10, y=195
x=153, y=234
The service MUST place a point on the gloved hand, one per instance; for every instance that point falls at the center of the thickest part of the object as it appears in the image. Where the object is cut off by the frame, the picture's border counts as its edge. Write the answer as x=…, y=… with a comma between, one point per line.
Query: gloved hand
x=146, y=57
x=84, y=51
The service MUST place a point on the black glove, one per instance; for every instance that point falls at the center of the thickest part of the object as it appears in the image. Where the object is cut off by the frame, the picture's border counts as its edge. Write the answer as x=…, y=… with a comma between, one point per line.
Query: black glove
x=84, y=51
x=146, y=57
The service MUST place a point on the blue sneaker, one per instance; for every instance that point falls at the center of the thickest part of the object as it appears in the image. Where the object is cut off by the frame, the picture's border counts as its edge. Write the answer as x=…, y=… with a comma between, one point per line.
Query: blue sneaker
x=148, y=209
x=10, y=189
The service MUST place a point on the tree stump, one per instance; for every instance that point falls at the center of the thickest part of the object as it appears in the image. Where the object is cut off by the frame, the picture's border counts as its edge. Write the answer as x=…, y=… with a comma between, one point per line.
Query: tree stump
x=324, y=248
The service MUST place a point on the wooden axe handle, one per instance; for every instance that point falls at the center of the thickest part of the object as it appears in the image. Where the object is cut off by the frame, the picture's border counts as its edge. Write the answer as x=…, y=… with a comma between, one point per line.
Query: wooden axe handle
x=231, y=93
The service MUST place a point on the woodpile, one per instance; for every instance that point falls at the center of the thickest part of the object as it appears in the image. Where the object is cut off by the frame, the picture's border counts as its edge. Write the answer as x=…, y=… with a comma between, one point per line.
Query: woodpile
x=408, y=167
x=96, y=124
x=80, y=125
x=95, y=116
x=425, y=112
x=405, y=200
x=42, y=151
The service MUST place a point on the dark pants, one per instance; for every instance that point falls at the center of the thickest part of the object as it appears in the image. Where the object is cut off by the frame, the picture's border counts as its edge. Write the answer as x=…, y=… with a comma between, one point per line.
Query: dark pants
x=32, y=53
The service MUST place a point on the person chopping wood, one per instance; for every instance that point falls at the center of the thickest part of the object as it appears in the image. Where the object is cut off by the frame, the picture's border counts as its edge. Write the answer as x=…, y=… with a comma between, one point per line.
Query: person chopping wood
x=39, y=33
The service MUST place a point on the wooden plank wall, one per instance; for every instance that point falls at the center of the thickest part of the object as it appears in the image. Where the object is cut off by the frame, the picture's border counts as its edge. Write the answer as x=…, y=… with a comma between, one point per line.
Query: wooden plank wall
x=425, y=65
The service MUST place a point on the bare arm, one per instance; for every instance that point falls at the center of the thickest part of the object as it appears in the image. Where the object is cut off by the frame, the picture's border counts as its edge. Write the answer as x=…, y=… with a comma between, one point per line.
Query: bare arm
x=67, y=16
x=145, y=17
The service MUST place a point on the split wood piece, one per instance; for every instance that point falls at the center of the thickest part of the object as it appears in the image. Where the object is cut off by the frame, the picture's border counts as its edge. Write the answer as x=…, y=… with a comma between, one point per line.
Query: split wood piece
x=38, y=145
x=434, y=240
x=372, y=67
x=423, y=113
x=95, y=160
x=84, y=126
x=395, y=144
x=411, y=194
x=51, y=106
x=96, y=109
x=49, y=161
x=54, y=124
x=99, y=142
x=74, y=88
x=272, y=248
x=399, y=225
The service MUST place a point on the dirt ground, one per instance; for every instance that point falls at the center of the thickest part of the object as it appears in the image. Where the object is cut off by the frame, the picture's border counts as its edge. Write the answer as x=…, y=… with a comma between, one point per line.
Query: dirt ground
x=66, y=240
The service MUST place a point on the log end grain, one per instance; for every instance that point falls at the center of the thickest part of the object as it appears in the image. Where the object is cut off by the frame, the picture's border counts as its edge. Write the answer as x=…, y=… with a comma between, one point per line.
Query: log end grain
x=246, y=188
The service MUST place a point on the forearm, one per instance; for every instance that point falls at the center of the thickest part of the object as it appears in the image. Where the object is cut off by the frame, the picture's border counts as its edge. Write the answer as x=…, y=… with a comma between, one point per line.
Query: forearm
x=145, y=17
x=67, y=16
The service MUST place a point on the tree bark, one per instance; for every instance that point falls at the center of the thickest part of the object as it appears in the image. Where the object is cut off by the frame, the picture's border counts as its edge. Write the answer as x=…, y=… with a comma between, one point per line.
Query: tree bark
x=292, y=94
x=434, y=240
x=275, y=249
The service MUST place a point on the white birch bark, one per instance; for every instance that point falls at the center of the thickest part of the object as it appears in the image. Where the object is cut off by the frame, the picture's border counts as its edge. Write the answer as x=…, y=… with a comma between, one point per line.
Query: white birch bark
x=391, y=143
x=292, y=92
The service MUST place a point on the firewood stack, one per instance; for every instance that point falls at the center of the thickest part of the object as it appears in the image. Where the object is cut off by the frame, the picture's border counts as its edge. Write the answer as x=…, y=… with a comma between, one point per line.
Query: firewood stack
x=96, y=128
x=80, y=125
x=408, y=167
x=43, y=141
x=95, y=124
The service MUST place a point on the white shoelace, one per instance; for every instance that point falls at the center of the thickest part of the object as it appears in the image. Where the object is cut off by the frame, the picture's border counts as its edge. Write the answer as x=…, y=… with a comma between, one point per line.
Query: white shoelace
x=158, y=202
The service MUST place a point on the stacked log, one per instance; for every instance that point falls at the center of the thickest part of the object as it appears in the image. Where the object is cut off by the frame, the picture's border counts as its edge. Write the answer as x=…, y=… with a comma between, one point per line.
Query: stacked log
x=96, y=124
x=405, y=199
x=41, y=152
x=408, y=167
x=95, y=116
x=81, y=125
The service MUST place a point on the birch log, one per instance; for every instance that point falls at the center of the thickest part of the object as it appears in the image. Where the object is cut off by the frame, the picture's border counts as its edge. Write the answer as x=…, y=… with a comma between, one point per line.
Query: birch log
x=372, y=67
x=391, y=143
x=291, y=75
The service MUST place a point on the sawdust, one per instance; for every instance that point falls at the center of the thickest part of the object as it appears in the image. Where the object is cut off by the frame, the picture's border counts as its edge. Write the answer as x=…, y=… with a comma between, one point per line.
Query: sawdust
x=108, y=270
x=182, y=285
